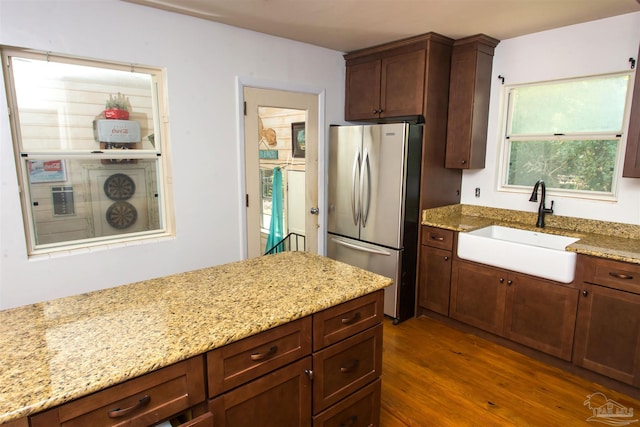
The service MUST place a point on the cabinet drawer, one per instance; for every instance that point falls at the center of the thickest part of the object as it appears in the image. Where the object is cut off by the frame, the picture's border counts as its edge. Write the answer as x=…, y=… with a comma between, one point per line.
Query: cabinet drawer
x=205, y=420
x=613, y=274
x=242, y=361
x=437, y=237
x=281, y=398
x=142, y=401
x=362, y=408
x=349, y=318
x=343, y=368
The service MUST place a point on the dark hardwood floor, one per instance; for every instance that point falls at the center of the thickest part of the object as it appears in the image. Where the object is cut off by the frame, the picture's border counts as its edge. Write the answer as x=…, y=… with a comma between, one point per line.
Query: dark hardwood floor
x=437, y=375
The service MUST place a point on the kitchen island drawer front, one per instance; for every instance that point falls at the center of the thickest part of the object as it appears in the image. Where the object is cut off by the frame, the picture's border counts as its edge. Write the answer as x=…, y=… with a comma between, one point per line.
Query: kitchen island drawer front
x=362, y=408
x=279, y=399
x=437, y=237
x=613, y=274
x=347, y=319
x=142, y=401
x=247, y=359
x=205, y=420
x=345, y=367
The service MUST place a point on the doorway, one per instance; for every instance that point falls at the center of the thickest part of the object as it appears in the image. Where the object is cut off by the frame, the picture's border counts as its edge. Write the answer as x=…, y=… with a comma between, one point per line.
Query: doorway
x=281, y=146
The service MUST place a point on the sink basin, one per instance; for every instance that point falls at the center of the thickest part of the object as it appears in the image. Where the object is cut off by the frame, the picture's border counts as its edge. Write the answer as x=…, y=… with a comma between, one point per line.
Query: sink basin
x=530, y=252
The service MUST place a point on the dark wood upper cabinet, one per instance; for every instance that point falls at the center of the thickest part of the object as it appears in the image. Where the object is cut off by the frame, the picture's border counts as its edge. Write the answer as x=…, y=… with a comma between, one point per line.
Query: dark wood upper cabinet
x=392, y=86
x=471, y=66
x=388, y=81
x=632, y=155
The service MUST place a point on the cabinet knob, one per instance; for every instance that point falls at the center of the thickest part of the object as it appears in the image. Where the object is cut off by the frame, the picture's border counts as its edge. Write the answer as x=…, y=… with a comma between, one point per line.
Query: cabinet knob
x=463, y=162
x=501, y=280
x=509, y=282
x=446, y=258
x=585, y=293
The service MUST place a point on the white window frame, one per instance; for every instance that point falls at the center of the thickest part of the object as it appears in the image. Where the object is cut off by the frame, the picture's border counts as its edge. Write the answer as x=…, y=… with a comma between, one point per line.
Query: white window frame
x=505, y=142
x=160, y=155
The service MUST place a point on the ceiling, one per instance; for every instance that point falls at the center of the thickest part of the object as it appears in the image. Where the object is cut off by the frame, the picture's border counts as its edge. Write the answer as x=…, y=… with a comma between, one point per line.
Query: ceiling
x=348, y=25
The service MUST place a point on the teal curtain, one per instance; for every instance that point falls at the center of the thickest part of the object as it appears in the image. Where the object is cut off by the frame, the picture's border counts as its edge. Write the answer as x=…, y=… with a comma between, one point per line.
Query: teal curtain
x=276, y=229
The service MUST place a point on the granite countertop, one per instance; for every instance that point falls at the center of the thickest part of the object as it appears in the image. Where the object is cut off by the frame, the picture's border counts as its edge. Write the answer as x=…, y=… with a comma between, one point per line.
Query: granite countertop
x=57, y=351
x=603, y=239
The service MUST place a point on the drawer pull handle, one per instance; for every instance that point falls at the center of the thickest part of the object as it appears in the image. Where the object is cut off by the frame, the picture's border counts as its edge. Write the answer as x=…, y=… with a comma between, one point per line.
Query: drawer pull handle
x=350, y=320
x=438, y=238
x=350, y=367
x=621, y=276
x=262, y=356
x=351, y=422
x=117, y=413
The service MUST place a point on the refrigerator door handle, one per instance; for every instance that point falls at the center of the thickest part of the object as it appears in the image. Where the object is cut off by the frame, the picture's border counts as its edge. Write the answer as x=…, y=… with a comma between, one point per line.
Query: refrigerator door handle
x=365, y=204
x=361, y=248
x=355, y=207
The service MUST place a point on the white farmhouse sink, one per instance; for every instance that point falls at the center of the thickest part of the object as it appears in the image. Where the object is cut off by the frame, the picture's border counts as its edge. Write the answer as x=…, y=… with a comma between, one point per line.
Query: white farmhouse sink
x=530, y=252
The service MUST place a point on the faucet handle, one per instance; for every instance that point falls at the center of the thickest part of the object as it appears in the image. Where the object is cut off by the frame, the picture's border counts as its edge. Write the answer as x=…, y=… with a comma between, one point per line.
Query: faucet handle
x=550, y=210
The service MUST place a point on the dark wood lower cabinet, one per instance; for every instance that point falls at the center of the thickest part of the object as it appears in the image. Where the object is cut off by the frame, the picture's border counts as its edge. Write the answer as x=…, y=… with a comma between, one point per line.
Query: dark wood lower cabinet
x=279, y=399
x=337, y=383
x=535, y=312
x=434, y=279
x=541, y=314
x=608, y=334
x=607, y=337
x=478, y=296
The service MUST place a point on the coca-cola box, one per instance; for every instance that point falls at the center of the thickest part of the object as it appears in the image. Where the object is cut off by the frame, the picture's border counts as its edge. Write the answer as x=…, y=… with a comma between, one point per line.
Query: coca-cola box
x=116, y=131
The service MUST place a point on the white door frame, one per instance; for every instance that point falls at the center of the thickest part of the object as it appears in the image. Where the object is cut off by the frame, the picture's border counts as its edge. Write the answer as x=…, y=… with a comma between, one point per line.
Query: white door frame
x=241, y=83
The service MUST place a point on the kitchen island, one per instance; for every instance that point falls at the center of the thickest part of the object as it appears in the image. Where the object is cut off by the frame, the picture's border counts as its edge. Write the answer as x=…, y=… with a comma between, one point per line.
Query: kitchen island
x=58, y=351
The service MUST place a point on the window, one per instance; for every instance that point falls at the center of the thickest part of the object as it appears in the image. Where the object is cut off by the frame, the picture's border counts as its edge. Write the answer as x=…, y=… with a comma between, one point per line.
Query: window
x=266, y=191
x=89, y=144
x=567, y=133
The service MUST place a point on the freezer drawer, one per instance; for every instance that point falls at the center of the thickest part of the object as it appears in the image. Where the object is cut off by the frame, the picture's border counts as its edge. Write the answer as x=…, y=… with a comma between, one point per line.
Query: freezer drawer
x=377, y=259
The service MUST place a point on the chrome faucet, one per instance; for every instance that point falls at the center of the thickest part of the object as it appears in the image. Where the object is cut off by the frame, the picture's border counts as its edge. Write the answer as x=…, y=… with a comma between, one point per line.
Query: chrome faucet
x=542, y=209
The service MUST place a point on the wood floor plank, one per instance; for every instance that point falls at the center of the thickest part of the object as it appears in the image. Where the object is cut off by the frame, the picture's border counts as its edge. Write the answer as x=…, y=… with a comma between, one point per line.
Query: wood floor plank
x=436, y=375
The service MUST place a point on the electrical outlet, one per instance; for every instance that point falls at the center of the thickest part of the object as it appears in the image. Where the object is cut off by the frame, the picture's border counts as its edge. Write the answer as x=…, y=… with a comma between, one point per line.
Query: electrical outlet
x=477, y=191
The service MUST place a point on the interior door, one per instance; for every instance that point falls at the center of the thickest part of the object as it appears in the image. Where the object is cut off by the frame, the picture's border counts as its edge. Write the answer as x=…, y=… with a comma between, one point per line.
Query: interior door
x=255, y=98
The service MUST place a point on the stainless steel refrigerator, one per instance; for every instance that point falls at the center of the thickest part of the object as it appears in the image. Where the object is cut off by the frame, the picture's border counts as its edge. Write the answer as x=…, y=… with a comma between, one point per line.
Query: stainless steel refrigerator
x=373, y=205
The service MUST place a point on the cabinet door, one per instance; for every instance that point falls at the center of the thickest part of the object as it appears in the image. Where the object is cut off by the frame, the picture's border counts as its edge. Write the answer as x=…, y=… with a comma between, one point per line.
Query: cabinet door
x=362, y=96
x=434, y=280
x=260, y=402
x=541, y=314
x=470, y=87
x=478, y=295
x=632, y=155
x=402, y=84
x=608, y=333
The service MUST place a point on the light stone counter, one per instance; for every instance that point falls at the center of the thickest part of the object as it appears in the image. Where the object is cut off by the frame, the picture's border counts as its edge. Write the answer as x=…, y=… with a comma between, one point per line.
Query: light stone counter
x=59, y=350
x=603, y=239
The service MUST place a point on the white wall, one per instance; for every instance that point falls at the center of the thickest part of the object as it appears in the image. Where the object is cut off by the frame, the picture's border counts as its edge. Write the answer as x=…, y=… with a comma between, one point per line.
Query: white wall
x=596, y=47
x=202, y=60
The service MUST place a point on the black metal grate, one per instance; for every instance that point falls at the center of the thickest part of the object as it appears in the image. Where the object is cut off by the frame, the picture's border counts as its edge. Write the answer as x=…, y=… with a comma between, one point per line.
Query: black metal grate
x=291, y=242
